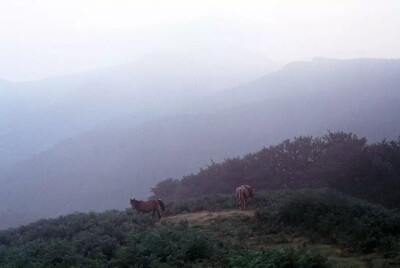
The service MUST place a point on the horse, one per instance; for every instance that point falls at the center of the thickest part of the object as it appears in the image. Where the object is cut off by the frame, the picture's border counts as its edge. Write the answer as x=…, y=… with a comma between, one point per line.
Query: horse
x=148, y=206
x=243, y=192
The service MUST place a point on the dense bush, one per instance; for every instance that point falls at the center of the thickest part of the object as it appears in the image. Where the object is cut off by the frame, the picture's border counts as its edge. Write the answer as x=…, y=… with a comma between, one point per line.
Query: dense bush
x=89, y=239
x=381, y=182
x=327, y=214
x=178, y=245
x=112, y=223
x=108, y=239
x=278, y=257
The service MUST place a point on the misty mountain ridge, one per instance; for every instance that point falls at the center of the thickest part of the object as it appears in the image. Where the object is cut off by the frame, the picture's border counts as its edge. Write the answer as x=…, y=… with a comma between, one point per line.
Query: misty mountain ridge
x=38, y=114
x=103, y=168
x=327, y=76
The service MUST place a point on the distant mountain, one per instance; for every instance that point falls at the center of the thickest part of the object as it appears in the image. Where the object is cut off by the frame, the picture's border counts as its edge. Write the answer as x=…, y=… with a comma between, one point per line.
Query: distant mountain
x=103, y=168
x=36, y=115
x=371, y=78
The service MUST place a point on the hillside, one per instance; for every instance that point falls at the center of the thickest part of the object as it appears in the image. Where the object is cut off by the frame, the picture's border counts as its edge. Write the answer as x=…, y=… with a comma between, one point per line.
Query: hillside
x=338, y=160
x=105, y=167
x=296, y=228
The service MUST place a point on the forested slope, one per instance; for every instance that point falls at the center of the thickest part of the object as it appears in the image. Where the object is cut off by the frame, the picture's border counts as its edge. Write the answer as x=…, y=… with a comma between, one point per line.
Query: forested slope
x=338, y=160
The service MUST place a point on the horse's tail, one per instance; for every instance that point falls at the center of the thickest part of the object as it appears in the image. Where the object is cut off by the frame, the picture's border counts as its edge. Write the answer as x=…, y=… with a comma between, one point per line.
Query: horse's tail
x=161, y=203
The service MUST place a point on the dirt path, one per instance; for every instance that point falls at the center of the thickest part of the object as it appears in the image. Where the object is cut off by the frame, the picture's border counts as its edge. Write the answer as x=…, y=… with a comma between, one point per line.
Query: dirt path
x=205, y=217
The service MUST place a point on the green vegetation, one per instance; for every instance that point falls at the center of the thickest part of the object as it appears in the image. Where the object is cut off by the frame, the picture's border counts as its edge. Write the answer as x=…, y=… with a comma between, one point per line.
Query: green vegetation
x=88, y=239
x=122, y=239
x=289, y=229
x=322, y=215
x=175, y=244
x=279, y=257
x=339, y=160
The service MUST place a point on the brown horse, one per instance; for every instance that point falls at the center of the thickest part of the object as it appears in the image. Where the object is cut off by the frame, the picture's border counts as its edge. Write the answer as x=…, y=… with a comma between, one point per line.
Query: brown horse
x=243, y=192
x=148, y=206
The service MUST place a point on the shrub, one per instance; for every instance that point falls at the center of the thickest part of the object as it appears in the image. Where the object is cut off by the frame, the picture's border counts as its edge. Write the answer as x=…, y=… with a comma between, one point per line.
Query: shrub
x=278, y=257
x=327, y=214
x=88, y=239
x=174, y=244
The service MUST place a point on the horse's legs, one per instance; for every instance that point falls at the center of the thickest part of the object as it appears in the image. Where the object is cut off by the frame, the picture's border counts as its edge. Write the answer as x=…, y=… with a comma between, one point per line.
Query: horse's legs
x=154, y=210
x=238, y=198
x=243, y=202
x=158, y=212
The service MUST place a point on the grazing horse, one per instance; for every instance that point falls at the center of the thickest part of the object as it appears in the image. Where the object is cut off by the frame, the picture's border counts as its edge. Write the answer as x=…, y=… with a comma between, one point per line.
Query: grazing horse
x=243, y=193
x=148, y=206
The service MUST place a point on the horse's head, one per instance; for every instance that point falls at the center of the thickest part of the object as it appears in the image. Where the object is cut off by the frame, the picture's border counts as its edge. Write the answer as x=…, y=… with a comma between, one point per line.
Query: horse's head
x=250, y=190
x=133, y=203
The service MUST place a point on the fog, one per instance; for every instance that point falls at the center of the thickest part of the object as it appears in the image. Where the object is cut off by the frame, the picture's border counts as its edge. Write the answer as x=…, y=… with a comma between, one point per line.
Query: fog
x=102, y=100
x=46, y=38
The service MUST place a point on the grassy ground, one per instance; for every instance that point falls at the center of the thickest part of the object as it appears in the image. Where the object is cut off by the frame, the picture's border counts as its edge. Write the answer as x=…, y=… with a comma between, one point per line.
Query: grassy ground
x=241, y=227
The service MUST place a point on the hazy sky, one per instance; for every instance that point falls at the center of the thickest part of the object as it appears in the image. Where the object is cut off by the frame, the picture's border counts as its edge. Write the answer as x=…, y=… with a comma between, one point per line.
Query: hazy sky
x=44, y=38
